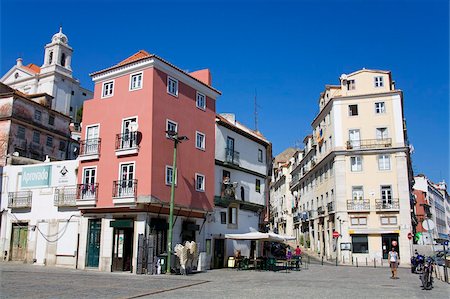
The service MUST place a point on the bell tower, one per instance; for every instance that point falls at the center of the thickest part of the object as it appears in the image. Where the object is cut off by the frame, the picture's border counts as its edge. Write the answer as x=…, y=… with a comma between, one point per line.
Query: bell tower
x=58, y=55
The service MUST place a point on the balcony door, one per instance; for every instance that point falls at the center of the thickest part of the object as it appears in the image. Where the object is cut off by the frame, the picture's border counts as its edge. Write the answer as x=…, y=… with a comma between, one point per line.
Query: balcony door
x=357, y=193
x=230, y=149
x=92, y=135
x=382, y=133
x=386, y=196
x=128, y=135
x=88, y=188
x=126, y=184
x=355, y=138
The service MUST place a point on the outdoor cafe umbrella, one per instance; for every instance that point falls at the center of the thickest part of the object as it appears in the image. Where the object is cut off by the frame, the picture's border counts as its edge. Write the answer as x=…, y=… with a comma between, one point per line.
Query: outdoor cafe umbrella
x=272, y=237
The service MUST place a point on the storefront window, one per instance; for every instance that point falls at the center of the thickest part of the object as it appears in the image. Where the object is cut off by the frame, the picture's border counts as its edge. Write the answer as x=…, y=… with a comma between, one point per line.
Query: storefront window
x=360, y=244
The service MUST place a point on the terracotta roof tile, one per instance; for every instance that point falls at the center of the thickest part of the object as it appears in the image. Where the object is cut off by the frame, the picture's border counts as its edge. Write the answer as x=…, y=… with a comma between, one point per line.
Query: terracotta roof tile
x=32, y=67
x=139, y=55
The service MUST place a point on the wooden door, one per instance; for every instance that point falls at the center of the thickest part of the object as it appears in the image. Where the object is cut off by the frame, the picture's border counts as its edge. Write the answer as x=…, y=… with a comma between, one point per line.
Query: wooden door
x=93, y=246
x=19, y=242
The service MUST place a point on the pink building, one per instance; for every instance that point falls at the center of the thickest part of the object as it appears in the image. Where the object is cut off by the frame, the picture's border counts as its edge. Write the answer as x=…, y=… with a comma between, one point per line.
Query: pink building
x=126, y=161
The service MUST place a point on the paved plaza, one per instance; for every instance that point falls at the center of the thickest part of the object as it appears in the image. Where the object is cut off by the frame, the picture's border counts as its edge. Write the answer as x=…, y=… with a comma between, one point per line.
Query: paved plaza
x=27, y=281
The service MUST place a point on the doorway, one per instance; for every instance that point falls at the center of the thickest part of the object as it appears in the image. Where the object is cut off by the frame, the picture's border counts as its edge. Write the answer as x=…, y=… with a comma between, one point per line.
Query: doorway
x=19, y=241
x=122, y=249
x=219, y=253
x=386, y=243
x=93, y=243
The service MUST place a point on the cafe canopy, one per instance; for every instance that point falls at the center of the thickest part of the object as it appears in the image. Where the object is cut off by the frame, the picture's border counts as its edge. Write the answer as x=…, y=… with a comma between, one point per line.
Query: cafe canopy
x=272, y=237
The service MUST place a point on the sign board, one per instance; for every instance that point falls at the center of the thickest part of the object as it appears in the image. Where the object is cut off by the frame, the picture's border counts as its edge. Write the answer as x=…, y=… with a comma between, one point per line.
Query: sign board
x=37, y=176
x=428, y=224
x=394, y=243
x=336, y=234
x=346, y=246
x=410, y=236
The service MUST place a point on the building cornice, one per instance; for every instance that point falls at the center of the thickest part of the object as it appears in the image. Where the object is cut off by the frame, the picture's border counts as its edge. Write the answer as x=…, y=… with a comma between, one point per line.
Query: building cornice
x=236, y=167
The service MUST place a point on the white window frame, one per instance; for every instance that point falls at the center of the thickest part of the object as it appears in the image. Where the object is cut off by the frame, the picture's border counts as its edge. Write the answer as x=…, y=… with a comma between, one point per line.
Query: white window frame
x=204, y=100
x=176, y=85
x=131, y=87
x=256, y=185
x=260, y=157
x=356, y=158
x=378, y=81
x=384, y=162
x=380, y=107
x=103, y=89
x=169, y=183
x=203, y=144
x=167, y=126
x=383, y=131
x=233, y=212
x=202, y=187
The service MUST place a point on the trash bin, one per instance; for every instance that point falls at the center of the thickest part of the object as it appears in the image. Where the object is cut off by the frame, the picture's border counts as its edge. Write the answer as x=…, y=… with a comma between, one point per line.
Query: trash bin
x=231, y=262
x=163, y=262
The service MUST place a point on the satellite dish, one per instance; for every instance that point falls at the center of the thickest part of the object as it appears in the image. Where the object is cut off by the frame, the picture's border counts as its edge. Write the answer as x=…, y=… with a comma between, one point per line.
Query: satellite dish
x=428, y=224
x=133, y=127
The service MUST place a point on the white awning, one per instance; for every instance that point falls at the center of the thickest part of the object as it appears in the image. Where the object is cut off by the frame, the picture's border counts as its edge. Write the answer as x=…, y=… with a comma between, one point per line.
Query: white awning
x=259, y=236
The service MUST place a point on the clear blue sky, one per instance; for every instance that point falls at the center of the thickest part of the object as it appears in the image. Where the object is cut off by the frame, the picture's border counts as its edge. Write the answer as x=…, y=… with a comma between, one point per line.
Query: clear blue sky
x=287, y=51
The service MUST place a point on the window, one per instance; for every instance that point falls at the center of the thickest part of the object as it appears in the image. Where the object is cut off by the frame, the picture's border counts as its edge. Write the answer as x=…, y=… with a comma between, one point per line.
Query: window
x=37, y=115
x=199, y=182
x=360, y=244
x=258, y=186
x=352, y=110
x=380, y=107
x=36, y=137
x=201, y=101
x=378, y=81
x=171, y=126
x=200, y=140
x=357, y=192
x=51, y=120
x=49, y=141
x=391, y=220
x=356, y=163
x=21, y=132
x=223, y=217
x=136, y=81
x=108, y=89
x=359, y=220
x=169, y=175
x=63, y=59
x=350, y=84
x=384, y=162
x=62, y=145
x=72, y=93
x=386, y=194
x=172, y=86
x=50, y=57
x=382, y=133
x=232, y=215
x=260, y=155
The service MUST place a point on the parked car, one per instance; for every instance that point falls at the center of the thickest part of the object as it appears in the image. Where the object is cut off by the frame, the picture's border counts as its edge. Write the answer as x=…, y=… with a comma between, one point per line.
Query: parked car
x=439, y=257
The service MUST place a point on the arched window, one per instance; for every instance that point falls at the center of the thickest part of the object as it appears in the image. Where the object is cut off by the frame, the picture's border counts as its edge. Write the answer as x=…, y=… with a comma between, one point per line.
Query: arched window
x=50, y=57
x=63, y=59
x=242, y=194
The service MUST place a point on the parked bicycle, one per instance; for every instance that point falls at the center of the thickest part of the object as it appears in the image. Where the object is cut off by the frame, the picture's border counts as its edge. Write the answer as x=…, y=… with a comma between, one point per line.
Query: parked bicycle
x=427, y=276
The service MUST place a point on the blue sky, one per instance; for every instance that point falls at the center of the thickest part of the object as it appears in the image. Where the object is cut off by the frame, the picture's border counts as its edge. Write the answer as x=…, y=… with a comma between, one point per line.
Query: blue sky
x=285, y=50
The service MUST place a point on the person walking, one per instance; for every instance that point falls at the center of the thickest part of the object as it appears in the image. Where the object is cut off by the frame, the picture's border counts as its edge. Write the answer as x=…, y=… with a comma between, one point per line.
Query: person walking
x=298, y=257
x=393, y=262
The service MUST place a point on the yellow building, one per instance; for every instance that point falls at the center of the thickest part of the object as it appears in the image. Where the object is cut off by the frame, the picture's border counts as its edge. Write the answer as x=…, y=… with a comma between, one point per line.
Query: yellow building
x=354, y=174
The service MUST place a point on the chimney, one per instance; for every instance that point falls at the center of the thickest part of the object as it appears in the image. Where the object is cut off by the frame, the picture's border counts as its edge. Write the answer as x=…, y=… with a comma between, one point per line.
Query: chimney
x=19, y=61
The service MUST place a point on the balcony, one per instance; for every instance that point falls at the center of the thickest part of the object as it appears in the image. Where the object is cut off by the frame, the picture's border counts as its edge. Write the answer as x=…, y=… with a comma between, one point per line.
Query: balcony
x=387, y=204
x=369, y=143
x=330, y=207
x=17, y=200
x=124, y=192
x=231, y=156
x=127, y=144
x=89, y=149
x=87, y=194
x=321, y=211
x=66, y=197
x=358, y=205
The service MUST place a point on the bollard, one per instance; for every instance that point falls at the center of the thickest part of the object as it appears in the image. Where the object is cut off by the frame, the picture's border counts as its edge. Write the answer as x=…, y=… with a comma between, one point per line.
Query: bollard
x=381, y=262
x=336, y=261
x=356, y=262
x=374, y=263
x=309, y=260
x=366, y=261
x=352, y=260
x=322, y=260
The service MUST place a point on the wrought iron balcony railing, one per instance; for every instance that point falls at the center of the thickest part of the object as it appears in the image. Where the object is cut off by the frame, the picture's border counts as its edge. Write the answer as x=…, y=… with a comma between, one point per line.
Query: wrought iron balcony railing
x=90, y=146
x=320, y=211
x=87, y=191
x=231, y=156
x=330, y=207
x=21, y=199
x=358, y=204
x=66, y=196
x=126, y=141
x=387, y=204
x=125, y=188
x=369, y=143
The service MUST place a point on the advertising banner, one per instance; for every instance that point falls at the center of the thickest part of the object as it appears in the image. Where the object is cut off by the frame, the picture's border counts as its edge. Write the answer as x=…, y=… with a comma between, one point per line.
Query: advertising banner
x=37, y=176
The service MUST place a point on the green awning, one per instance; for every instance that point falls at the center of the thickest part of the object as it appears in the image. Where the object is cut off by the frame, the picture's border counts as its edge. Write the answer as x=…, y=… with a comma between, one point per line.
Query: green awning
x=123, y=223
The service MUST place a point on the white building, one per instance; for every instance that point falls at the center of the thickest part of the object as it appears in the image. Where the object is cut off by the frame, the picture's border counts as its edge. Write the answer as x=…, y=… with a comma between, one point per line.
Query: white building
x=242, y=163
x=39, y=218
x=54, y=77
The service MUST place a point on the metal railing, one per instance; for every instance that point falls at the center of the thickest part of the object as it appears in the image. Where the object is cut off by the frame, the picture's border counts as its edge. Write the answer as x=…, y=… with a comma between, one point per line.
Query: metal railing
x=231, y=156
x=126, y=141
x=125, y=188
x=387, y=204
x=320, y=211
x=90, y=146
x=66, y=196
x=330, y=207
x=369, y=143
x=358, y=204
x=87, y=191
x=21, y=199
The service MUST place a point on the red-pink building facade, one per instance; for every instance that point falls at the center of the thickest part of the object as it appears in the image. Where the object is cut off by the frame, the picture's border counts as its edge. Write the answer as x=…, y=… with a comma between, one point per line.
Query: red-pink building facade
x=126, y=158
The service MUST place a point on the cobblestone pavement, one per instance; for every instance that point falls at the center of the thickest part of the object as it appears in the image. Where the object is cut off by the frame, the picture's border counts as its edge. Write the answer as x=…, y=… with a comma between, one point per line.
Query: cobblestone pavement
x=27, y=281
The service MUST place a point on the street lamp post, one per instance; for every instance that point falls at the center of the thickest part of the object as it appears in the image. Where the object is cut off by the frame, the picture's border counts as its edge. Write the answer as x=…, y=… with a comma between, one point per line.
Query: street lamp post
x=176, y=139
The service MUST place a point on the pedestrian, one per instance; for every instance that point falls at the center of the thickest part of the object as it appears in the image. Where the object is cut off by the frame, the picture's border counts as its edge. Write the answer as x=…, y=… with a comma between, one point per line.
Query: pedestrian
x=298, y=257
x=393, y=262
x=288, y=253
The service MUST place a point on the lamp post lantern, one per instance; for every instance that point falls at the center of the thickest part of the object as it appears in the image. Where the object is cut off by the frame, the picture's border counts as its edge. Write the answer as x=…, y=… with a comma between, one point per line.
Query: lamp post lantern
x=176, y=139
